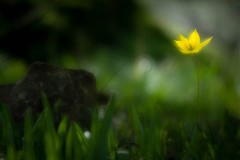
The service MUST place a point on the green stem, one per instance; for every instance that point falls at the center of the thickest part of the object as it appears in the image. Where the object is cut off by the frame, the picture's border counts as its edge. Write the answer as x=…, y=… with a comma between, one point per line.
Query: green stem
x=198, y=77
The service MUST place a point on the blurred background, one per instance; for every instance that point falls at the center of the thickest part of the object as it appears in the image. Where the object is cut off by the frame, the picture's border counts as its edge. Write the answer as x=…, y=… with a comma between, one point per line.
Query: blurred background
x=128, y=45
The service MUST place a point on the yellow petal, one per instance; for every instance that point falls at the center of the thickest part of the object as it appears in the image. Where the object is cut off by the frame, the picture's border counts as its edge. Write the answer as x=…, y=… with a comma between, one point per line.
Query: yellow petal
x=184, y=51
x=185, y=40
x=194, y=40
x=206, y=42
x=181, y=45
x=196, y=50
x=182, y=38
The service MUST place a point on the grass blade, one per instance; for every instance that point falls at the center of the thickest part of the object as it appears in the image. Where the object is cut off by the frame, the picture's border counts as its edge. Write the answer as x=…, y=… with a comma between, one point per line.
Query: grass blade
x=99, y=136
x=28, y=136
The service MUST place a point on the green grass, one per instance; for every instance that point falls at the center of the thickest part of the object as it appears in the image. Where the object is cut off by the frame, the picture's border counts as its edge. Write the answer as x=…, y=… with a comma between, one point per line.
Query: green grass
x=152, y=137
x=42, y=140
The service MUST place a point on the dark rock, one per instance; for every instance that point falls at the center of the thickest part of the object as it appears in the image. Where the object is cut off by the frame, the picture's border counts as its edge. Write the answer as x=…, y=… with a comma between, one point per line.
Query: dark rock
x=75, y=88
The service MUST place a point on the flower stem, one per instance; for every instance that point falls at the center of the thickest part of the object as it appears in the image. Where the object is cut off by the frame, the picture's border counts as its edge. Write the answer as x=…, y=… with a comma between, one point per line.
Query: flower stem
x=198, y=77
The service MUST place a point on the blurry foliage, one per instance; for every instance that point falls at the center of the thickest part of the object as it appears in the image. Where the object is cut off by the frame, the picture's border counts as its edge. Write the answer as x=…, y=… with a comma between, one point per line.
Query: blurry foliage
x=43, y=30
x=154, y=140
x=42, y=140
x=156, y=115
x=11, y=70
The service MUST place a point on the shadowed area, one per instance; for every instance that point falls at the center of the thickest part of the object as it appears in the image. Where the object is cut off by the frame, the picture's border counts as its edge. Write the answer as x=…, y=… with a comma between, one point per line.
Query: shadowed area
x=76, y=89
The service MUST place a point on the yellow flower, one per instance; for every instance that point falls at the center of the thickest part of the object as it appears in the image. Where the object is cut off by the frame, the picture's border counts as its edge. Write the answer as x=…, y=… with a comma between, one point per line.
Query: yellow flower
x=191, y=45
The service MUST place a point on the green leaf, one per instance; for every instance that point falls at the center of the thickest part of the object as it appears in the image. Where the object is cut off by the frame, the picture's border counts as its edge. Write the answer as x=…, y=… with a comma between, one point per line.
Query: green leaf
x=28, y=136
x=99, y=134
x=137, y=124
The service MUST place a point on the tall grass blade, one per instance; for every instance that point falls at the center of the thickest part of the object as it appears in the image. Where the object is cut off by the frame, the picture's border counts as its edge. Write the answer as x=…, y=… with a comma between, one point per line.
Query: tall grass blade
x=28, y=136
x=7, y=135
x=136, y=122
x=99, y=135
x=76, y=143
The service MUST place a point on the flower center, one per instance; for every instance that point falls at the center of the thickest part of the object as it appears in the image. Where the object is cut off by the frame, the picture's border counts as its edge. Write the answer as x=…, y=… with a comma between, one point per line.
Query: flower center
x=190, y=46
